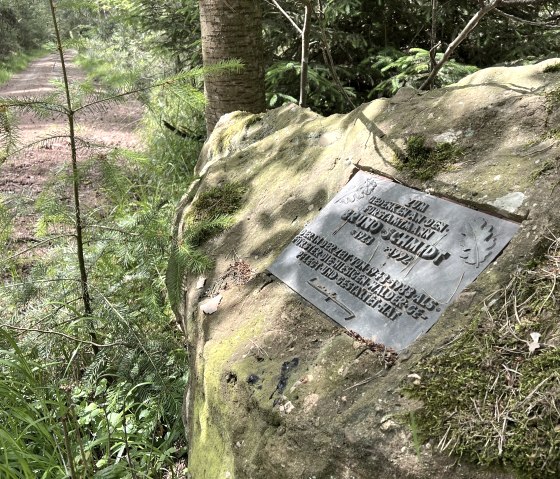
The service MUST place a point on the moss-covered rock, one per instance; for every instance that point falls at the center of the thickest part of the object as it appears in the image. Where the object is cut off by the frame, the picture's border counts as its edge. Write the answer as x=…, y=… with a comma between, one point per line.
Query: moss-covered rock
x=277, y=390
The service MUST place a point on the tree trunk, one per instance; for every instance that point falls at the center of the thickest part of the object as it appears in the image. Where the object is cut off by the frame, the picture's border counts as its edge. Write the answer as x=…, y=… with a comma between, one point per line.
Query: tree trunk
x=232, y=29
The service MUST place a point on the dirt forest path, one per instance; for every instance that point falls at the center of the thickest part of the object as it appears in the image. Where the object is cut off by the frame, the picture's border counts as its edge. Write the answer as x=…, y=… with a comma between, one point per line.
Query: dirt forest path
x=23, y=176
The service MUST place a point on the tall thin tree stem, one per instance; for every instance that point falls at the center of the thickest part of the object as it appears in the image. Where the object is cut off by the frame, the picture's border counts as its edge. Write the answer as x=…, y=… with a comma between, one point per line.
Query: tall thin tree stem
x=433, y=34
x=86, y=299
x=304, y=81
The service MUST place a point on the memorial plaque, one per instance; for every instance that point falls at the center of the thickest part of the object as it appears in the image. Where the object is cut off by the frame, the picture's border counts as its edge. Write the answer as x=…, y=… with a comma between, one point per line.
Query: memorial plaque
x=385, y=260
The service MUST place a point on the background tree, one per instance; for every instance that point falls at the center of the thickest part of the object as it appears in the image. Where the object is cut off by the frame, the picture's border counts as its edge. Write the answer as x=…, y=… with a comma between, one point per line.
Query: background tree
x=22, y=25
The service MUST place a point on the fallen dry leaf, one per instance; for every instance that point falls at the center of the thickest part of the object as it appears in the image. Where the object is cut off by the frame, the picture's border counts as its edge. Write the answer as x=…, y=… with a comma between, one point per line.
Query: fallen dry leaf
x=416, y=378
x=287, y=408
x=211, y=306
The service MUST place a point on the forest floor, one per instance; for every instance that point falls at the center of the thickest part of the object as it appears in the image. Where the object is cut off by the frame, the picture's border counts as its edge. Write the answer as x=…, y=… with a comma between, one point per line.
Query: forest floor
x=24, y=175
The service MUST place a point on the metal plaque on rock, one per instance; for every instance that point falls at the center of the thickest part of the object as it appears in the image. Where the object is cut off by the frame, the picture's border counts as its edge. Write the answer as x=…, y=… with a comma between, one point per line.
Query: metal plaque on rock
x=384, y=260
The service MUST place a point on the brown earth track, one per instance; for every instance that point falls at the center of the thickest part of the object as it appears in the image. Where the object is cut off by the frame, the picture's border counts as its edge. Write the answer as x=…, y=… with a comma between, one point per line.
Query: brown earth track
x=24, y=175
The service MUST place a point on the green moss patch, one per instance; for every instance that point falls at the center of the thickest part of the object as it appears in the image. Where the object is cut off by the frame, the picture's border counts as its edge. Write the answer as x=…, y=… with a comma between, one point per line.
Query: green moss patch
x=494, y=395
x=212, y=212
x=545, y=167
x=424, y=162
x=237, y=124
x=553, y=68
x=225, y=199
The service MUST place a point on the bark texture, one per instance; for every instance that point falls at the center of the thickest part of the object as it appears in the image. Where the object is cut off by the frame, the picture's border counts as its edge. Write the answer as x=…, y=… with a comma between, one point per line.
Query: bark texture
x=232, y=29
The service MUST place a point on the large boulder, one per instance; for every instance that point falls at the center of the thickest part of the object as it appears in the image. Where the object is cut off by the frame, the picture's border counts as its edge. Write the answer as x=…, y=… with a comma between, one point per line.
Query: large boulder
x=277, y=389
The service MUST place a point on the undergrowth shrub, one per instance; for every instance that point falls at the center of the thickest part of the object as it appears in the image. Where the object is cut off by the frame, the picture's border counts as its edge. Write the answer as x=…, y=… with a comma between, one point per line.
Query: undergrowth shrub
x=400, y=69
x=108, y=404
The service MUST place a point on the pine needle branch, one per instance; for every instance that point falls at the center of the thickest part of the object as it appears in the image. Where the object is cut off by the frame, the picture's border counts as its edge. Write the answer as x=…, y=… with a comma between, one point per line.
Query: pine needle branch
x=32, y=104
x=184, y=77
x=37, y=245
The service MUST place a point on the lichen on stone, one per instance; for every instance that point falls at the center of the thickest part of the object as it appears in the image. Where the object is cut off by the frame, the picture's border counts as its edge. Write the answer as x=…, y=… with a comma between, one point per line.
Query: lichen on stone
x=238, y=123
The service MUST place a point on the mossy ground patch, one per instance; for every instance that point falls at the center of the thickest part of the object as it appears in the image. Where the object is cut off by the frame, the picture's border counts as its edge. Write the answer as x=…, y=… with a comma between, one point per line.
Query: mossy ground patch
x=220, y=200
x=491, y=398
x=424, y=162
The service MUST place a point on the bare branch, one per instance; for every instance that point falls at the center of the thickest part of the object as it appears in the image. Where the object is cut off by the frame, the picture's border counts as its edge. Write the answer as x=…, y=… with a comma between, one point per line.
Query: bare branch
x=527, y=22
x=303, y=81
x=433, y=44
x=287, y=15
x=328, y=57
x=58, y=333
x=524, y=2
x=469, y=27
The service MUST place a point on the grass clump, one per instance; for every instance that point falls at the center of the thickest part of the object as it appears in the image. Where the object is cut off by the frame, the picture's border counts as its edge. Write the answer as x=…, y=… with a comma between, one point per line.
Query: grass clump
x=212, y=212
x=493, y=396
x=425, y=162
x=552, y=68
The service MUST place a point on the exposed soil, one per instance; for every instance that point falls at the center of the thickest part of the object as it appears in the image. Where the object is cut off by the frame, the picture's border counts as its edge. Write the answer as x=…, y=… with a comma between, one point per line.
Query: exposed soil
x=24, y=175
